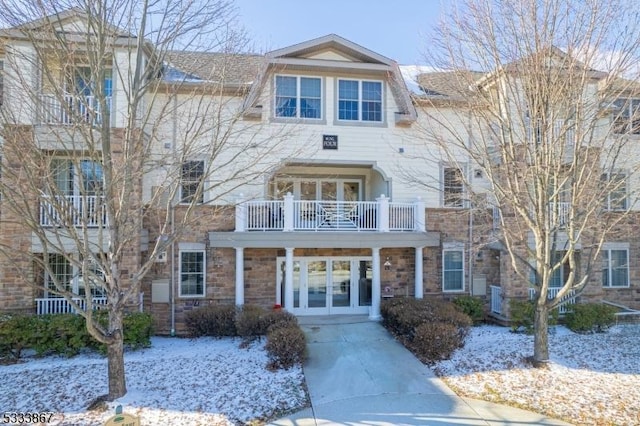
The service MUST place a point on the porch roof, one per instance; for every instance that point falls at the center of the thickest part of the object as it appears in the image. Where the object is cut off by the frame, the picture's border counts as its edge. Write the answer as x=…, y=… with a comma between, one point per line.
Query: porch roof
x=321, y=239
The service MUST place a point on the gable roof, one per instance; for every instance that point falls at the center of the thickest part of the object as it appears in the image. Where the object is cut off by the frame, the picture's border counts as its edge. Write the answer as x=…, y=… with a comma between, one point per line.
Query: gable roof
x=332, y=42
x=63, y=22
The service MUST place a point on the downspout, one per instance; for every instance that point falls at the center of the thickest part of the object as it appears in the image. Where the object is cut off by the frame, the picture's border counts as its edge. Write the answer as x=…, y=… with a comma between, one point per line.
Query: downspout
x=173, y=230
x=471, y=260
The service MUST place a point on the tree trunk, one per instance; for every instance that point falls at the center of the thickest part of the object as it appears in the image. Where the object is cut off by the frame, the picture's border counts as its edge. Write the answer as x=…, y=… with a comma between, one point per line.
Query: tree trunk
x=541, y=335
x=115, y=358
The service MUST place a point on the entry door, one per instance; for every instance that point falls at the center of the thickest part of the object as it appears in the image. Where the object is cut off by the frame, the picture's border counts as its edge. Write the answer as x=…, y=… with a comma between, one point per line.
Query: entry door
x=329, y=286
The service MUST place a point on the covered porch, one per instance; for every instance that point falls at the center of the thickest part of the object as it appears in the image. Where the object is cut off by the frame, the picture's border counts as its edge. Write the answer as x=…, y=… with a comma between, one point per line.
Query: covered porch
x=309, y=280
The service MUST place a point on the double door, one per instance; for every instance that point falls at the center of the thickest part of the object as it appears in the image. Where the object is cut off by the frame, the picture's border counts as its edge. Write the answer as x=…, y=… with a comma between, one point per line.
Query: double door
x=325, y=286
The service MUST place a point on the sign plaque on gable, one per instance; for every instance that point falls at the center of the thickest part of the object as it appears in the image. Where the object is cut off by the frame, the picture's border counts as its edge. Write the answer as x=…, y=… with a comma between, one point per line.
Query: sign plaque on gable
x=329, y=141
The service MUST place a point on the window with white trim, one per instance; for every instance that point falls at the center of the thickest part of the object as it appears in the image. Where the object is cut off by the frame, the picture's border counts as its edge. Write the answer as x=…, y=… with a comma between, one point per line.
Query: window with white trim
x=615, y=268
x=616, y=191
x=626, y=116
x=192, y=273
x=360, y=100
x=452, y=187
x=453, y=270
x=69, y=276
x=298, y=97
x=191, y=176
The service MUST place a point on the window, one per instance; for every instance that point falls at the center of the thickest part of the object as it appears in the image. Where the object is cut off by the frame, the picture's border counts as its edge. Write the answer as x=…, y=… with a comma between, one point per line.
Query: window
x=626, y=116
x=360, y=100
x=615, y=268
x=77, y=177
x=615, y=185
x=453, y=270
x=71, y=278
x=452, y=187
x=192, y=273
x=192, y=176
x=298, y=97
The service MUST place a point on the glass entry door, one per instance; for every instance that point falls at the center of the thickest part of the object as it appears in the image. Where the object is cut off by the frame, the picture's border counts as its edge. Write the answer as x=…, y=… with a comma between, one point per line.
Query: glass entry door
x=324, y=286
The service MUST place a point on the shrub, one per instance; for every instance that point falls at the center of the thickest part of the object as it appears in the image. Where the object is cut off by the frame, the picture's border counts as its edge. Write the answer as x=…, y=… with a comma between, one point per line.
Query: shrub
x=138, y=328
x=16, y=334
x=430, y=328
x=286, y=346
x=64, y=334
x=251, y=321
x=435, y=341
x=523, y=315
x=212, y=320
x=471, y=306
x=590, y=318
x=280, y=319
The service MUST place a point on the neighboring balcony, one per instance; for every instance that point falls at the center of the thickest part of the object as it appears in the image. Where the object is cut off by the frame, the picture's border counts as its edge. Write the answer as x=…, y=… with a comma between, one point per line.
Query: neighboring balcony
x=71, y=109
x=73, y=211
x=291, y=215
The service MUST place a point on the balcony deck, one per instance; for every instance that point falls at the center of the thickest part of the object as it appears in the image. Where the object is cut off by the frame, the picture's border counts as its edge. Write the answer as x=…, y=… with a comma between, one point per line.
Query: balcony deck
x=317, y=215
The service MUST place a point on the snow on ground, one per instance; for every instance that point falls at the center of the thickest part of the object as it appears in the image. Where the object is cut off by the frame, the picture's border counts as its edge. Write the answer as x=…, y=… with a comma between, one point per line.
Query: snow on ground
x=592, y=379
x=175, y=382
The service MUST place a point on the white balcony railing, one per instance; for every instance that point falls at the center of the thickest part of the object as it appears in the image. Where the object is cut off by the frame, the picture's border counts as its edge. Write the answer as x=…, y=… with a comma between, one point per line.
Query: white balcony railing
x=552, y=292
x=496, y=300
x=317, y=215
x=71, y=109
x=562, y=212
x=59, y=305
x=72, y=211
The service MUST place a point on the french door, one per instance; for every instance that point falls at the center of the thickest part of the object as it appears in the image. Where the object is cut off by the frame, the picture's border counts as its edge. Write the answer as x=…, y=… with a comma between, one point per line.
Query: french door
x=325, y=286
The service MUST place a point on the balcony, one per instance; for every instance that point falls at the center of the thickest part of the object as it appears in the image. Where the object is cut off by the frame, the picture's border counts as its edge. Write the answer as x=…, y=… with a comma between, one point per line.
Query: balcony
x=300, y=215
x=71, y=109
x=73, y=211
x=559, y=211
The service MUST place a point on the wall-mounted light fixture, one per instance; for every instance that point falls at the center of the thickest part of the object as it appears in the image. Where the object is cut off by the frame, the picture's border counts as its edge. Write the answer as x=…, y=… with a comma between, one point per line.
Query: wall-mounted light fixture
x=387, y=264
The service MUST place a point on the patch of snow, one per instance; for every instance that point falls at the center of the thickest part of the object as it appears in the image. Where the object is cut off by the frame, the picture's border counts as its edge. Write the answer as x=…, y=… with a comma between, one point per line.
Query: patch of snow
x=176, y=381
x=410, y=75
x=591, y=379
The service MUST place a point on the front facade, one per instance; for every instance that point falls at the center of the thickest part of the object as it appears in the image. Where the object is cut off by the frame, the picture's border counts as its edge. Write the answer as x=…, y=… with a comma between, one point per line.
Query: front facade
x=356, y=204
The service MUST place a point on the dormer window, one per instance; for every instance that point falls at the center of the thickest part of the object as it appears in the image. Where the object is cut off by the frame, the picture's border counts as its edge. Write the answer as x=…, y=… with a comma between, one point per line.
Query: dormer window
x=360, y=100
x=298, y=97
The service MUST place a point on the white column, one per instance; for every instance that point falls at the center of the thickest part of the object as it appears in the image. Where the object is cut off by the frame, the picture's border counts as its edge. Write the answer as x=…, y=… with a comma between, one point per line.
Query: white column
x=288, y=212
x=241, y=214
x=420, y=224
x=419, y=290
x=383, y=213
x=288, y=279
x=239, y=276
x=374, y=313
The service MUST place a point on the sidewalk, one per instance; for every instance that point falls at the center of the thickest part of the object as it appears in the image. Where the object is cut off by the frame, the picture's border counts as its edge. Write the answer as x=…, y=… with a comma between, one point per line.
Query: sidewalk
x=357, y=374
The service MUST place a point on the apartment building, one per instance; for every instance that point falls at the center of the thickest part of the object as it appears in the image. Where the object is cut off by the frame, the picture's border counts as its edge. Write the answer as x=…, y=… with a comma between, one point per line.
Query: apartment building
x=355, y=202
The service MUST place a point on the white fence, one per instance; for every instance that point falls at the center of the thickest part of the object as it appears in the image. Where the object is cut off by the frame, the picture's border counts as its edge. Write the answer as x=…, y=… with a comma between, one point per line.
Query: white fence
x=73, y=210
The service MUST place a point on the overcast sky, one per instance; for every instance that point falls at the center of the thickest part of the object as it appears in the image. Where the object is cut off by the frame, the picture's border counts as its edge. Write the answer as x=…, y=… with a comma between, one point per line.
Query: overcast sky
x=394, y=29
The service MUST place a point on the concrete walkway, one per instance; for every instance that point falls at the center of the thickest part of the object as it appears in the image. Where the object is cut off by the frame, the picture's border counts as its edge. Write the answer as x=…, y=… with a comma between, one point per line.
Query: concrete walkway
x=357, y=374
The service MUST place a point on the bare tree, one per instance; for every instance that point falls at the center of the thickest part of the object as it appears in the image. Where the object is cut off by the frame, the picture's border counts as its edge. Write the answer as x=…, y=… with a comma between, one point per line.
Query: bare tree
x=533, y=94
x=109, y=128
